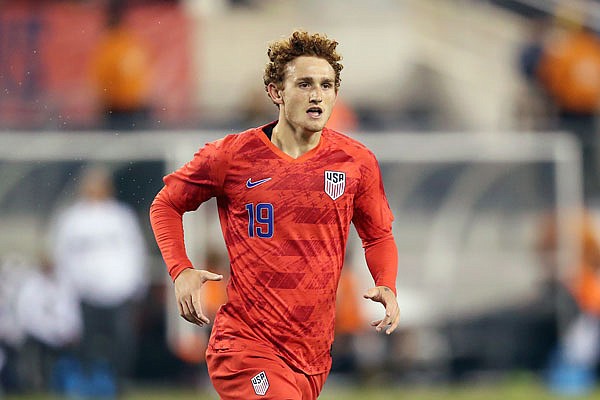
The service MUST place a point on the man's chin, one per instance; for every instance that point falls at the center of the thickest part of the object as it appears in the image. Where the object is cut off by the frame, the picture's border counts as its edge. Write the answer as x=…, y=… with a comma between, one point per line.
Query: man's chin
x=315, y=126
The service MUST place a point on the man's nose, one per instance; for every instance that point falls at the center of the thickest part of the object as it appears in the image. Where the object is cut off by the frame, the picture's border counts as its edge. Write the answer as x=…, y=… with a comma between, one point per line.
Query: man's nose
x=316, y=96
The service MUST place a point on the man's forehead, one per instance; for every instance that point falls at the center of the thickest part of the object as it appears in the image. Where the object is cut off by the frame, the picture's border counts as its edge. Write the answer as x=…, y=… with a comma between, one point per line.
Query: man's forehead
x=309, y=67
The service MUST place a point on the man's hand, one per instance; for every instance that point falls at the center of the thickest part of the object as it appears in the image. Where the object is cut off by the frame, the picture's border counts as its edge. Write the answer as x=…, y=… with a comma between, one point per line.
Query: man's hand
x=385, y=296
x=187, y=292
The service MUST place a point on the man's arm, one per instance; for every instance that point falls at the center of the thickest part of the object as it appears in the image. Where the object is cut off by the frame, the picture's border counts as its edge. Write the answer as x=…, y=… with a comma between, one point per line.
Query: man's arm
x=373, y=221
x=382, y=260
x=166, y=218
x=185, y=190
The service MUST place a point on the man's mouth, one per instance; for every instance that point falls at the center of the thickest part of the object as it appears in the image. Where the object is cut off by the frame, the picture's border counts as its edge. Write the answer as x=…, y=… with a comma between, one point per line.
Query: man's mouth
x=314, y=112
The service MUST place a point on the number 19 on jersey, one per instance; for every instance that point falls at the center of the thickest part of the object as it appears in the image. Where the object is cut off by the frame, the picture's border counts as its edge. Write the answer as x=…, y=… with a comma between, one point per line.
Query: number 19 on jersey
x=260, y=220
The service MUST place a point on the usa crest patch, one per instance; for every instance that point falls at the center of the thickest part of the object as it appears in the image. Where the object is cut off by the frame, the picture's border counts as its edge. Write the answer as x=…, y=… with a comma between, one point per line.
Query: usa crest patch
x=260, y=383
x=335, y=183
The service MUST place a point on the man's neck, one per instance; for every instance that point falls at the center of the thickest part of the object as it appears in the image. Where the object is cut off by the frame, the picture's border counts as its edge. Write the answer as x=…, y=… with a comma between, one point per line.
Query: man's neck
x=294, y=142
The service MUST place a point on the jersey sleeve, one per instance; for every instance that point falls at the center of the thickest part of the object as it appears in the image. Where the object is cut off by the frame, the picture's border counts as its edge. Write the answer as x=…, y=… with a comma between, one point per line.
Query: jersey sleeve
x=201, y=178
x=184, y=190
x=373, y=221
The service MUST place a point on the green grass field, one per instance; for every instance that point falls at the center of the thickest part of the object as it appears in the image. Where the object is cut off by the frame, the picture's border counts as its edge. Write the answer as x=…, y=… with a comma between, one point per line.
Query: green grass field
x=514, y=390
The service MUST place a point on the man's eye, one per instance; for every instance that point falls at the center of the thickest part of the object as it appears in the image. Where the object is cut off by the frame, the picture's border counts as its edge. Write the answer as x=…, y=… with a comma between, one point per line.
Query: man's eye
x=304, y=85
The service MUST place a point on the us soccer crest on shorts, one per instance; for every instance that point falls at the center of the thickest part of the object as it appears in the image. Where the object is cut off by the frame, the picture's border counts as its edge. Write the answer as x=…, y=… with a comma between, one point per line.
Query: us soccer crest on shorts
x=260, y=383
x=335, y=183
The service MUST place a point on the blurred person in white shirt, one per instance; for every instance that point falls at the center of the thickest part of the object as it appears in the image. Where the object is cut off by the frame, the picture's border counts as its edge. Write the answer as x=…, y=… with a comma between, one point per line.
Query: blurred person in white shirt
x=49, y=314
x=99, y=250
x=14, y=269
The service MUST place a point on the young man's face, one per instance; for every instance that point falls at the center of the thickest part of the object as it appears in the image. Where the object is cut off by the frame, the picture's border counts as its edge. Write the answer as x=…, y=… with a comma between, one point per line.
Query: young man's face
x=308, y=93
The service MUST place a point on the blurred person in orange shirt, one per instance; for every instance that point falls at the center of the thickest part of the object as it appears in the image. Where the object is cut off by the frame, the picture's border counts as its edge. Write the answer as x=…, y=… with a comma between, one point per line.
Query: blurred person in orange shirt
x=121, y=73
x=579, y=346
x=215, y=294
x=583, y=278
x=585, y=282
x=349, y=322
x=569, y=73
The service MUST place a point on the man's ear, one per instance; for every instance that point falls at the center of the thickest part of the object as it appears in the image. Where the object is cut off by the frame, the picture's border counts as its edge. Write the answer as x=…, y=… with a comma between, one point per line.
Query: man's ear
x=275, y=93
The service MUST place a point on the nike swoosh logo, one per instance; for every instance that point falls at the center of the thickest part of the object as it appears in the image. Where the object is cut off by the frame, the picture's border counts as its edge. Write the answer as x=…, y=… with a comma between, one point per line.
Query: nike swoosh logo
x=250, y=184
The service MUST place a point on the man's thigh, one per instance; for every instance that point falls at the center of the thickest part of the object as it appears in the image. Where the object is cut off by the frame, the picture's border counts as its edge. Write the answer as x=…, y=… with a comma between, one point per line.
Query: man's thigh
x=249, y=375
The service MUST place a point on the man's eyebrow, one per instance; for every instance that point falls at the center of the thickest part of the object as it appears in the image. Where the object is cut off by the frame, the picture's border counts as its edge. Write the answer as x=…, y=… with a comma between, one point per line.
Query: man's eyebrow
x=311, y=79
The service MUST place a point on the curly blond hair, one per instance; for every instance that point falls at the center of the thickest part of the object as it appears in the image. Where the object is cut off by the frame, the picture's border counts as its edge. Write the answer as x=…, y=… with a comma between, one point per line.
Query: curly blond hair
x=300, y=43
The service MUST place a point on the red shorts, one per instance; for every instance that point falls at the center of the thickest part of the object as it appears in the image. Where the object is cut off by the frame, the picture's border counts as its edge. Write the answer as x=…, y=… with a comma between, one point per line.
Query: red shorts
x=259, y=374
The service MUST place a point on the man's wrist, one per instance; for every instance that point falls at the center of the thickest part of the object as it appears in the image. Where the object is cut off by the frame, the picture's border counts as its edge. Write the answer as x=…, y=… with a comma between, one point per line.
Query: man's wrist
x=177, y=272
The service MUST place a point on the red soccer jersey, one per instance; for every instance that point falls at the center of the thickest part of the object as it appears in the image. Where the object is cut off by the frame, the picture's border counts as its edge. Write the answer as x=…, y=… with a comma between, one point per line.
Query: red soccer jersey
x=285, y=222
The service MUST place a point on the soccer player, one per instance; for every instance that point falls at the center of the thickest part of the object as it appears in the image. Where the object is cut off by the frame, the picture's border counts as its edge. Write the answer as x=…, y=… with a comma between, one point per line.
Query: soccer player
x=286, y=193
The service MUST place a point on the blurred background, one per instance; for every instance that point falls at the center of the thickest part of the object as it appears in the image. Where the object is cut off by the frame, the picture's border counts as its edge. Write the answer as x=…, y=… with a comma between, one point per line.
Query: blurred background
x=483, y=115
